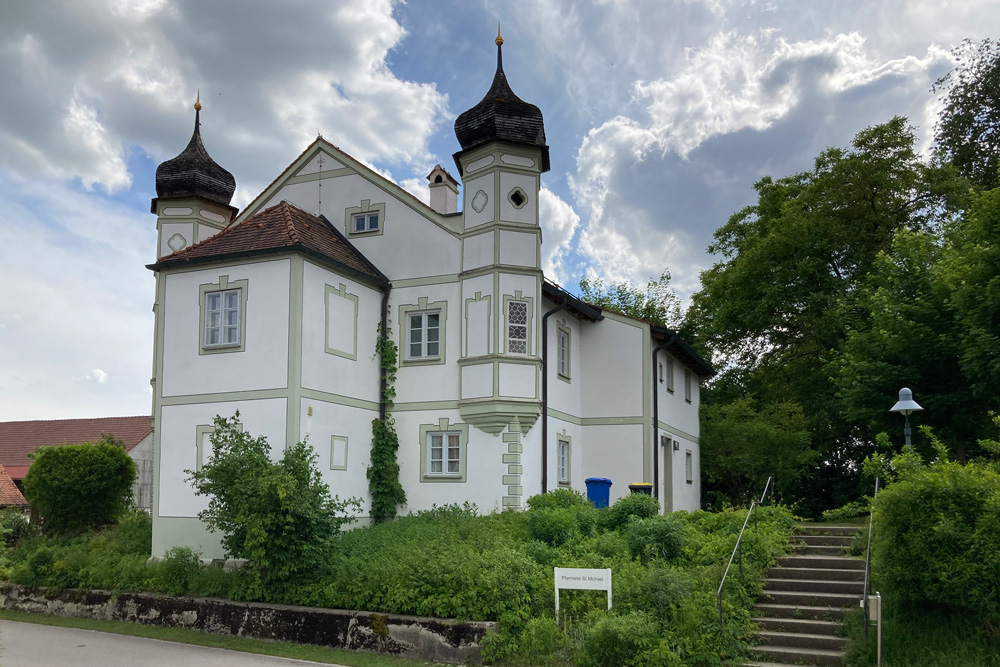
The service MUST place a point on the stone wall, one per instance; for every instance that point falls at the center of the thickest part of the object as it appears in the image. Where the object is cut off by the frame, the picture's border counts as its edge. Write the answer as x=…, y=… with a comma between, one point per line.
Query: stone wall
x=409, y=636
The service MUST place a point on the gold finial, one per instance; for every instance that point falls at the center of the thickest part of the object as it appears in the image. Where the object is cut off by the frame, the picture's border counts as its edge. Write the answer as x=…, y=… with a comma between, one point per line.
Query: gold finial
x=197, y=102
x=499, y=39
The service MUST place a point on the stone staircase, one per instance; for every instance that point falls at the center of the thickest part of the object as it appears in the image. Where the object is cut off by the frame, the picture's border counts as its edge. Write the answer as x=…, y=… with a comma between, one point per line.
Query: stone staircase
x=805, y=597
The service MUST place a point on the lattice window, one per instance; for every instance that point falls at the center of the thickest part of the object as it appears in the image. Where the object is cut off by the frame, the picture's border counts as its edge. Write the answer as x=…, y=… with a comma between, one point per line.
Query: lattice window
x=517, y=327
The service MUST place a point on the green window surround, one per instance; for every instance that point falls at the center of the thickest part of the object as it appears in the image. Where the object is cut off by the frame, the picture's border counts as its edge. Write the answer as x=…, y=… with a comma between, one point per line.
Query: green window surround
x=201, y=441
x=368, y=212
x=214, y=300
x=564, y=453
x=563, y=351
x=341, y=293
x=338, y=452
x=435, y=457
x=518, y=312
x=428, y=314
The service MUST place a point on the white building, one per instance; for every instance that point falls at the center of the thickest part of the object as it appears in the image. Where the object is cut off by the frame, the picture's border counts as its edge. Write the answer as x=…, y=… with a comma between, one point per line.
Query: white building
x=275, y=312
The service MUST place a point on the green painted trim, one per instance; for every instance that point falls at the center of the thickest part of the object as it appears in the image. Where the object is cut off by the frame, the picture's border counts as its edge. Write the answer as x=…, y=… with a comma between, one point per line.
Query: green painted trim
x=334, y=439
x=223, y=264
x=562, y=328
x=444, y=425
x=489, y=315
x=676, y=431
x=414, y=406
x=159, y=308
x=524, y=197
x=341, y=292
x=493, y=358
x=200, y=431
x=221, y=286
x=429, y=280
x=496, y=269
x=320, y=175
x=493, y=416
x=596, y=421
x=422, y=305
x=224, y=397
x=293, y=406
x=529, y=338
x=648, y=440
x=338, y=399
x=568, y=440
x=366, y=207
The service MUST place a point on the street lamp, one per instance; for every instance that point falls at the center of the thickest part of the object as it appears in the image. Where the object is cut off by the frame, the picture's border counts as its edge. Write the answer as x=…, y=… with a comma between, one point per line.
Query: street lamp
x=906, y=405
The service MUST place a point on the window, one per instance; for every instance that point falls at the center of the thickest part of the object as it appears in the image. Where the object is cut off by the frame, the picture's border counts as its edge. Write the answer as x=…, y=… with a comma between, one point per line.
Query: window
x=687, y=385
x=670, y=374
x=689, y=466
x=222, y=318
x=563, y=462
x=444, y=453
x=562, y=352
x=660, y=370
x=517, y=327
x=365, y=222
x=424, y=335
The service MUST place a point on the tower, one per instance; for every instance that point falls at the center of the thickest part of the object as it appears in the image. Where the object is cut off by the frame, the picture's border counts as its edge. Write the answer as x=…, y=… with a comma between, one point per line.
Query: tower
x=501, y=162
x=192, y=195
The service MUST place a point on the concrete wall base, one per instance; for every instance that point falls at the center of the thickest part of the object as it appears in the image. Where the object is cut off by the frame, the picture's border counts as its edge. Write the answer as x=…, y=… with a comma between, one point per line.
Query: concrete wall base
x=408, y=636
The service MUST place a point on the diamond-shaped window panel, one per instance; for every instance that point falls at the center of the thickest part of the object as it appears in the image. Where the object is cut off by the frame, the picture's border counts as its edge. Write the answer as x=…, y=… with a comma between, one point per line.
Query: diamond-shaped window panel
x=479, y=201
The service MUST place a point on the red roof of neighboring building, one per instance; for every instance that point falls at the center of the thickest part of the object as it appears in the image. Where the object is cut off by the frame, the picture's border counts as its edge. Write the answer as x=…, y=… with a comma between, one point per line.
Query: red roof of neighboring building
x=9, y=493
x=18, y=439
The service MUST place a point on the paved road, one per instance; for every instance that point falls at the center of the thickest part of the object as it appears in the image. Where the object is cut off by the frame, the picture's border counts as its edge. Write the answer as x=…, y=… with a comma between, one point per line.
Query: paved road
x=30, y=645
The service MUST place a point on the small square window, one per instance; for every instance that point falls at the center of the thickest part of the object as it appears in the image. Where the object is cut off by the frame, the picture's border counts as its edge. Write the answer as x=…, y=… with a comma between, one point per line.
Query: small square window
x=444, y=453
x=365, y=222
x=222, y=318
x=423, y=335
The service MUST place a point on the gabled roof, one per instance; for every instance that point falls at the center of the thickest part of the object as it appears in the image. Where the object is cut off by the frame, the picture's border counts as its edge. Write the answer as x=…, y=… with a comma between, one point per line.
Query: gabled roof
x=18, y=439
x=9, y=493
x=281, y=228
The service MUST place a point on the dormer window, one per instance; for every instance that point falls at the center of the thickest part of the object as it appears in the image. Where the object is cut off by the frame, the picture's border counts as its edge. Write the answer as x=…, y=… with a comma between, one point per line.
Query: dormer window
x=365, y=222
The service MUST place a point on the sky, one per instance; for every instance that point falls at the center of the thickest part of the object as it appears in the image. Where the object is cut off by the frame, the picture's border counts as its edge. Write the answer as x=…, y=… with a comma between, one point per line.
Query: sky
x=660, y=116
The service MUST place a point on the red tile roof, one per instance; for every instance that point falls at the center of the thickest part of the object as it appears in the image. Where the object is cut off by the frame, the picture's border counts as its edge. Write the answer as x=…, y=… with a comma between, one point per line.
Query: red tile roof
x=281, y=227
x=9, y=493
x=18, y=439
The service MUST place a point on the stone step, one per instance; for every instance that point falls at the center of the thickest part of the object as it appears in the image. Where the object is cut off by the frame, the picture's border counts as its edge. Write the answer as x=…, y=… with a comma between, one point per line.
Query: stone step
x=824, y=550
x=760, y=664
x=799, y=656
x=810, y=599
x=835, y=562
x=796, y=611
x=809, y=626
x=816, y=585
x=832, y=574
x=825, y=540
x=803, y=640
x=827, y=529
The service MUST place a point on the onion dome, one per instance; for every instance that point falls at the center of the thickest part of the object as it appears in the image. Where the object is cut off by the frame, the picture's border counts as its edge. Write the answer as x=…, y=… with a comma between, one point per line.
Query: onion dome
x=502, y=116
x=194, y=173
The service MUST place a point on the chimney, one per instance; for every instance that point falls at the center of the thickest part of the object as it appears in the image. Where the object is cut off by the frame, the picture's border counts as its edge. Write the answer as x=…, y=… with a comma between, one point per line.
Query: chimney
x=444, y=190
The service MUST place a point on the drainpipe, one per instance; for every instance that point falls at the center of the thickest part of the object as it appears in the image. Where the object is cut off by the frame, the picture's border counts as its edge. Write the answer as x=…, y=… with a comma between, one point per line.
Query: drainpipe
x=545, y=394
x=382, y=332
x=656, y=416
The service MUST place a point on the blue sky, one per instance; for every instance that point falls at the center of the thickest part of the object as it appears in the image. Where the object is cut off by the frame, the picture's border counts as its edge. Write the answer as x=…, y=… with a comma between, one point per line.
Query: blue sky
x=660, y=116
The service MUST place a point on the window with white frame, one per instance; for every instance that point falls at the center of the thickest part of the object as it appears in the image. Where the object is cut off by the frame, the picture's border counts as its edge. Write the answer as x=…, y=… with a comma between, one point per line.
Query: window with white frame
x=222, y=318
x=423, y=334
x=563, y=462
x=659, y=367
x=687, y=385
x=670, y=374
x=562, y=352
x=365, y=222
x=444, y=453
x=689, y=466
x=517, y=327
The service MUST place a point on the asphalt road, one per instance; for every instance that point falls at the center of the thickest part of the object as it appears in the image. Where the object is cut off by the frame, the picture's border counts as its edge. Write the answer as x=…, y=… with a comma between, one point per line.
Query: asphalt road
x=30, y=645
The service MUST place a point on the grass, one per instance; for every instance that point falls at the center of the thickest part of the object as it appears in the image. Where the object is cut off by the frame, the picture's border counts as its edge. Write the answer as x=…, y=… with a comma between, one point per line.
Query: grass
x=320, y=654
x=922, y=638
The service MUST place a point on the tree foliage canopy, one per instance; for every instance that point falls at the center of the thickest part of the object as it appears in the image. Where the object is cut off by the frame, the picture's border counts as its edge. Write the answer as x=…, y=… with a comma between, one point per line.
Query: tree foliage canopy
x=658, y=303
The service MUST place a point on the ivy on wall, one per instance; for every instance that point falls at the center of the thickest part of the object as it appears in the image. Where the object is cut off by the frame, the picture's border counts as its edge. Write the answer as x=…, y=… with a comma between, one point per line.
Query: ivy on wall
x=383, y=473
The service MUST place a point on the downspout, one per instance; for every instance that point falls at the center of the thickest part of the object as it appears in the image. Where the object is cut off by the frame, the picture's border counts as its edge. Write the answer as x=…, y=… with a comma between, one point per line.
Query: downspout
x=383, y=332
x=545, y=393
x=656, y=416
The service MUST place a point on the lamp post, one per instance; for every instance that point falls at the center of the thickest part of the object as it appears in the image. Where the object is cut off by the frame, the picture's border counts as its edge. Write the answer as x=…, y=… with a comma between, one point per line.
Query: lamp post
x=905, y=405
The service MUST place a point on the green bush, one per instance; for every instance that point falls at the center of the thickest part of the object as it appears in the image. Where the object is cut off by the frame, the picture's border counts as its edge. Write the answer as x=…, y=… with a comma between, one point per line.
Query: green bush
x=178, y=570
x=558, y=498
x=553, y=526
x=665, y=589
x=617, y=640
x=79, y=487
x=657, y=538
x=14, y=526
x=937, y=538
x=541, y=643
x=637, y=505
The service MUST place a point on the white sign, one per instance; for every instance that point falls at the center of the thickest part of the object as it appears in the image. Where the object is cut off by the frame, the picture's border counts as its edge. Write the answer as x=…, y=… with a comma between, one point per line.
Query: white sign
x=579, y=578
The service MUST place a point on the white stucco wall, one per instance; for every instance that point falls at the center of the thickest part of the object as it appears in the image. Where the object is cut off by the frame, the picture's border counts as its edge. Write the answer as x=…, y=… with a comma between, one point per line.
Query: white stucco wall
x=263, y=362
x=432, y=381
x=612, y=371
x=354, y=424
x=614, y=452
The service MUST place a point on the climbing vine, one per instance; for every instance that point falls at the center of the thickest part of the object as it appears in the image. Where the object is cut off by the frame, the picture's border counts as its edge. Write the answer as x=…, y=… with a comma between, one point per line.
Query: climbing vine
x=383, y=473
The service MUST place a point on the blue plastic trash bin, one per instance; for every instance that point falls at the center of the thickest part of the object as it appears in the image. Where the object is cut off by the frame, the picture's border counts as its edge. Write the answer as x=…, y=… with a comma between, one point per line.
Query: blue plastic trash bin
x=598, y=491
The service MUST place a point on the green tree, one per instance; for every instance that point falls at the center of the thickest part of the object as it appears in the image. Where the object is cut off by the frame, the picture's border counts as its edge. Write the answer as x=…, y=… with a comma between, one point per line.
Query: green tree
x=968, y=131
x=277, y=515
x=659, y=302
x=79, y=487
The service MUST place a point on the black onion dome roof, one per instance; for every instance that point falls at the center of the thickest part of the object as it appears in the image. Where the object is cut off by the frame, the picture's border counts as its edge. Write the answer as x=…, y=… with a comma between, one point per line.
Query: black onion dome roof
x=500, y=116
x=194, y=173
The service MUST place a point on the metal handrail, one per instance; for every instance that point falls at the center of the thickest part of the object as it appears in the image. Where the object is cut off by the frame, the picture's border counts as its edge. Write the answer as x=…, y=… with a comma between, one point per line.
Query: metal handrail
x=738, y=548
x=868, y=560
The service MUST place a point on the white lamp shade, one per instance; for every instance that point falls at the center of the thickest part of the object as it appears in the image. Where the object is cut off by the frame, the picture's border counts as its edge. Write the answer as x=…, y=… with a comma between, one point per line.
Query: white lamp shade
x=905, y=405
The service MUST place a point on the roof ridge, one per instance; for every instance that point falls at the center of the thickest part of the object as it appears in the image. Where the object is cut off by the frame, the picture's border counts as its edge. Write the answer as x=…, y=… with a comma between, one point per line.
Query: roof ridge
x=73, y=419
x=293, y=234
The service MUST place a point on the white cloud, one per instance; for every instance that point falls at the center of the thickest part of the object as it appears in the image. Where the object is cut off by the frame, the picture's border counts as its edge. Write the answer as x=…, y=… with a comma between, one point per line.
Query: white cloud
x=97, y=375
x=559, y=223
